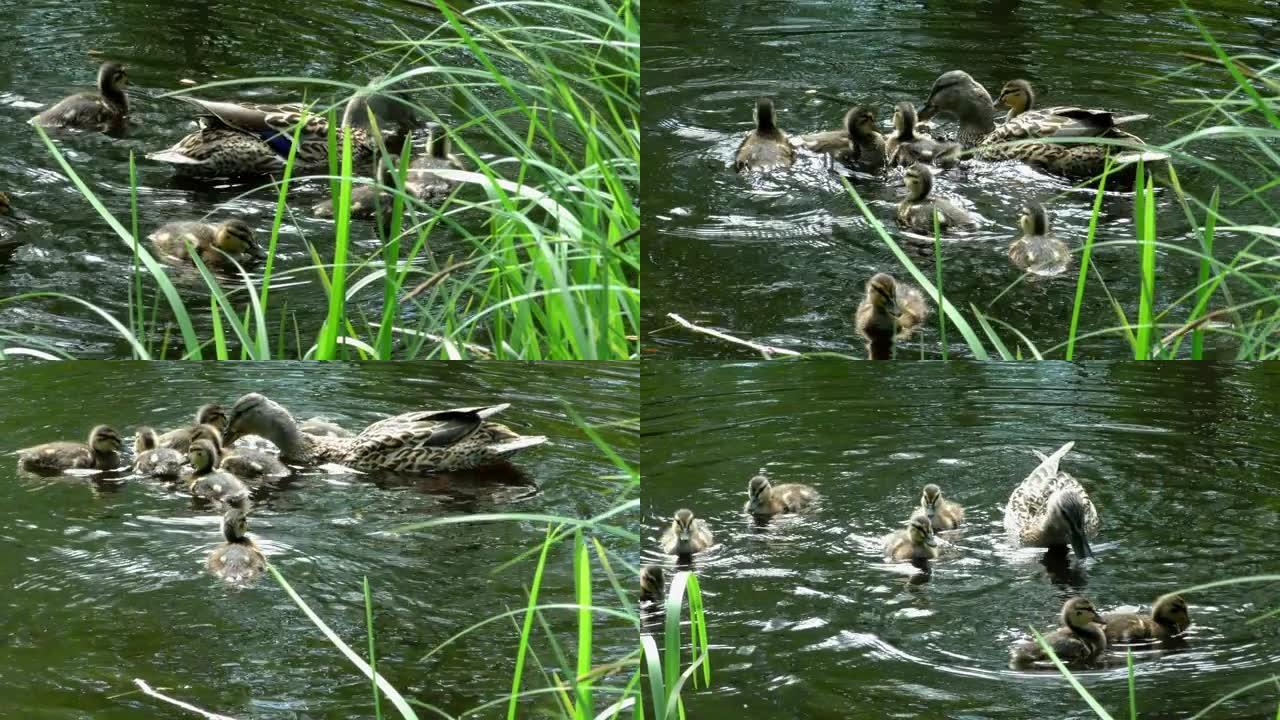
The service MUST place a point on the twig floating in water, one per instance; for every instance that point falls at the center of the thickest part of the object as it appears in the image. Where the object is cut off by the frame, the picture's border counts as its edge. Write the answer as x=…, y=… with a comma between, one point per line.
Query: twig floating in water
x=768, y=351
x=144, y=687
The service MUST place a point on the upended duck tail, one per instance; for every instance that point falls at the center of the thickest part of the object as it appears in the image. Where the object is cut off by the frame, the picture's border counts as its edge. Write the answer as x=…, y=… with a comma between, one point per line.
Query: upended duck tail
x=510, y=447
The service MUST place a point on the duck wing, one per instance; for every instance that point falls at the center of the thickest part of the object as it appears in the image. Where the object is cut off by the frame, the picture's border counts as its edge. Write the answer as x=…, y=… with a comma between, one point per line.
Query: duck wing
x=272, y=124
x=1060, y=122
x=428, y=428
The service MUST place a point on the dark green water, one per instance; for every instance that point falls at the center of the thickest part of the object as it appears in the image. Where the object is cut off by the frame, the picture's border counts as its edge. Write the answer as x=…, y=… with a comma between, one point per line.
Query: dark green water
x=783, y=259
x=47, y=48
x=805, y=618
x=104, y=583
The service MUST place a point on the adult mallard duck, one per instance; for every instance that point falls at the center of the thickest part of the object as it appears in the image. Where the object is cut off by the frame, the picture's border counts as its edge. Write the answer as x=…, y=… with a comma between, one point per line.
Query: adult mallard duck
x=916, y=210
x=766, y=146
x=858, y=144
x=765, y=498
x=1051, y=509
x=914, y=542
x=236, y=139
x=1169, y=617
x=890, y=311
x=208, y=482
x=1080, y=638
x=1037, y=250
x=417, y=442
x=152, y=460
x=209, y=414
x=908, y=145
x=244, y=463
x=686, y=535
x=220, y=247
x=422, y=181
x=958, y=94
x=941, y=512
x=105, y=110
x=8, y=244
x=101, y=452
x=238, y=560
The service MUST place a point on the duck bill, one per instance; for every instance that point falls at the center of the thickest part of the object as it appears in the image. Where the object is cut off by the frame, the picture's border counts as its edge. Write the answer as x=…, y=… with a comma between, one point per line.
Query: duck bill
x=1080, y=542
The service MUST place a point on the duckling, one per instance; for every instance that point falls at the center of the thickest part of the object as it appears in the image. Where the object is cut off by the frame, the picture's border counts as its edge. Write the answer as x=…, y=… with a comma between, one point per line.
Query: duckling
x=651, y=584
x=765, y=147
x=422, y=181
x=765, y=498
x=1078, y=639
x=890, y=311
x=238, y=560
x=1037, y=250
x=916, y=210
x=958, y=94
x=218, y=245
x=907, y=145
x=8, y=244
x=101, y=452
x=152, y=460
x=1169, y=617
x=415, y=442
x=686, y=535
x=105, y=111
x=1018, y=96
x=368, y=202
x=322, y=427
x=914, y=542
x=210, y=483
x=942, y=513
x=244, y=463
x=858, y=144
x=180, y=439
x=1051, y=509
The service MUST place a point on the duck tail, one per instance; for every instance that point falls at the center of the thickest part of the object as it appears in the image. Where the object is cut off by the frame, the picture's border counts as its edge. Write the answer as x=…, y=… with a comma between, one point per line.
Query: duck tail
x=510, y=447
x=1050, y=463
x=492, y=410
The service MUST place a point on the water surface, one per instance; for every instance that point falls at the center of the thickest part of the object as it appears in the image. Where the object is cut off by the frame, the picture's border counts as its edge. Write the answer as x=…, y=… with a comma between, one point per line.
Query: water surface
x=807, y=620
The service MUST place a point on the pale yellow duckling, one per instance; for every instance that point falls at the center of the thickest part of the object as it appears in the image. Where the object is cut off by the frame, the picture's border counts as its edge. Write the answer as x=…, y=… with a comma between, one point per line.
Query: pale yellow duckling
x=217, y=245
x=238, y=560
x=941, y=512
x=152, y=460
x=686, y=535
x=101, y=452
x=105, y=110
x=916, y=210
x=890, y=311
x=208, y=482
x=180, y=439
x=765, y=147
x=1169, y=617
x=1037, y=250
x=1079, y=639
x=765, y=498
x=914, y=542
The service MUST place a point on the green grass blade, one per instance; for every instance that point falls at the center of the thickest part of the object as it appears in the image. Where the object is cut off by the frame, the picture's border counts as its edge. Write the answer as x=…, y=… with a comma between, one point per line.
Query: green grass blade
x=373, y=656
x=1205, y=292
x=585, y=707
x=1085, y=256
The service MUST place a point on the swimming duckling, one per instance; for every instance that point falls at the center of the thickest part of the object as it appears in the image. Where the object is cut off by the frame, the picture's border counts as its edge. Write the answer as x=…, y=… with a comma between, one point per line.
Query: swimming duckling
x=1169, y=617
x=686, y=535
x=914, y=542
x=367, y=201
x=180, y=439
x=422, y=181
x=1078, y=639
x=244, y=463
x=428, y=441
x=210, y=483
x=104, y=111
x=8, y=243
x=765, y=147
x=651, y=584
x=908, y=146
x=101, y=452
x=1051, y=509
x=858, y=144
x=152, y=460
x=890, y=311
x=322, y=427
x=1037, y=250
x=238, y=560
x=217, y=245
x=916, y=210
x=944, y=514
x=765, y=498
x=1018, y=96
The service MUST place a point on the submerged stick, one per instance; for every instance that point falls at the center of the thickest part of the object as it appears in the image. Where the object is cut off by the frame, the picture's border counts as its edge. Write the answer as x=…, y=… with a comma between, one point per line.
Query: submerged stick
x=768, y=351
x=145, y=688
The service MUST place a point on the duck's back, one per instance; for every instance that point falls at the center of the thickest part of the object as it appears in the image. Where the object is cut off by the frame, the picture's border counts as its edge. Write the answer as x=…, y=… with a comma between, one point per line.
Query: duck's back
x=1043, y=255
x=763, y=152
x=1128, y=627
x=1029, y=501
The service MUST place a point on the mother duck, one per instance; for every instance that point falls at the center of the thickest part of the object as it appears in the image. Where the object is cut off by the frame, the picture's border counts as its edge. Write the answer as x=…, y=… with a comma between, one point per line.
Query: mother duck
x=1051, y=509
x=957, y=93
